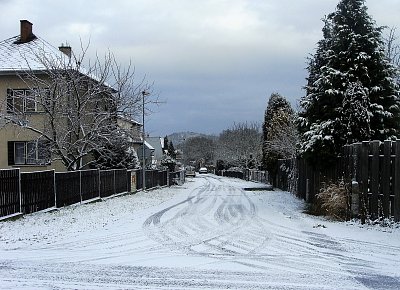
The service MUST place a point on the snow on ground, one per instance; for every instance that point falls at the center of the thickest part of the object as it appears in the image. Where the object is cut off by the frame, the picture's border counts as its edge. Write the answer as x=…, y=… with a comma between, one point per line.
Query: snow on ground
x=207, y=234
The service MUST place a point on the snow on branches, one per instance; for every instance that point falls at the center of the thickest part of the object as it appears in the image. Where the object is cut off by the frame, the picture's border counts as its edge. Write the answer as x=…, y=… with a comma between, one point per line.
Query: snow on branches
x=351, y=93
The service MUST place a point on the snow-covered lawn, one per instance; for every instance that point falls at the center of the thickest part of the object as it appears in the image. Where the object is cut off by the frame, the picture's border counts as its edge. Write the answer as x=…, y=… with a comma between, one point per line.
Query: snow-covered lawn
x=207, y=234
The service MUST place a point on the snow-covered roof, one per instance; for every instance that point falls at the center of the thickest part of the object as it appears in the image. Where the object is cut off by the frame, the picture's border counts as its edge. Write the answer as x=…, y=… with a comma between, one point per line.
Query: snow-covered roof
x=32, y=55
x=148, y=145
x=156, y=144
x=128, y=119
x=36, y=55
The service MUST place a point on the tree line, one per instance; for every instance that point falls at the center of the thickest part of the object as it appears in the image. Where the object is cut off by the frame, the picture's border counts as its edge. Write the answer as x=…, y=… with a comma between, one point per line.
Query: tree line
x=238, y=146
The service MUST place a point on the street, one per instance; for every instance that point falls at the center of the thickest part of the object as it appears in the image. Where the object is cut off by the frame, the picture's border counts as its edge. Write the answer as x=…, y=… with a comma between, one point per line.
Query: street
x=209, y=233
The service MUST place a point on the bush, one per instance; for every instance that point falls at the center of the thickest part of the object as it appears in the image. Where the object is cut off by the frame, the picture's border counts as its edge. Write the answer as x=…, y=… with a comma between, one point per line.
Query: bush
x=333, y=200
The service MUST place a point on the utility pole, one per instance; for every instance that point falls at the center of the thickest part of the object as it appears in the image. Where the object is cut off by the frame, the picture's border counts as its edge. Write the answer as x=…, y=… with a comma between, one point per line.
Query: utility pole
x=144, y=94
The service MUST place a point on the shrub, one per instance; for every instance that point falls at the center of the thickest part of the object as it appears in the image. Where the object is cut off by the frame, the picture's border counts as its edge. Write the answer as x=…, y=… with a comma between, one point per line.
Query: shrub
x=332, y=201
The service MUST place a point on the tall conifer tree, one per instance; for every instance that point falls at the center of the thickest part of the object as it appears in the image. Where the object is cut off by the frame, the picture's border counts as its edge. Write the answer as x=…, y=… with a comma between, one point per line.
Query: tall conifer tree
x=279, y=133
x=349, y=73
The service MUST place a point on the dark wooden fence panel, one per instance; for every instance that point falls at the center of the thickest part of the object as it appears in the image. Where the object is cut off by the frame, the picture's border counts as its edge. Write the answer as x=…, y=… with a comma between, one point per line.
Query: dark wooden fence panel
x=9, y=192
x=90, y=184
x=121, y=180
x=68, y=189
x=150, y=179
x=37, y=191
x=139, y=176
x=162, y=178
x=374, y=166
x=41, y=190
x=233, y=174
x=107, y=186
x=396, y=188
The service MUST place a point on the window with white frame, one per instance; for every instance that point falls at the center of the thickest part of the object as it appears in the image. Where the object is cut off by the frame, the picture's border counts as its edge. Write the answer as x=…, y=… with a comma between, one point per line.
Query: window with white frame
x=28, y=153
x=21, y=100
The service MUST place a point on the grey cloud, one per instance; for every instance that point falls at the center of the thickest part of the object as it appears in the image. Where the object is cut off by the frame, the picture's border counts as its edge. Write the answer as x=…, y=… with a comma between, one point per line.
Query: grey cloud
x=214, y=61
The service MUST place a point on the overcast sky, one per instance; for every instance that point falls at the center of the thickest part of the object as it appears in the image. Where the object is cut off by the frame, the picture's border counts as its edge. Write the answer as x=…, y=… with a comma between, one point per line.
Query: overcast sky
x=213, y=62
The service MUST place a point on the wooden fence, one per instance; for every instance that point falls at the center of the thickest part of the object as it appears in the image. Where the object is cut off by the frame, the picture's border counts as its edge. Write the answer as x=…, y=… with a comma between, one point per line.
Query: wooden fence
x=371, y=171
x=246, y=174
x=37, y=191
x=10, y=201
x=34, y=191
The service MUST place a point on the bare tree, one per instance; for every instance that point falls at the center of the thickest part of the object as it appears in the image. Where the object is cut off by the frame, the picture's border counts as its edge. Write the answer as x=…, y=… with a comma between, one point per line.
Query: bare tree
x=393, y=47
x=198, y=150
x=240, y=145
x=393, y=50
x=75, y=107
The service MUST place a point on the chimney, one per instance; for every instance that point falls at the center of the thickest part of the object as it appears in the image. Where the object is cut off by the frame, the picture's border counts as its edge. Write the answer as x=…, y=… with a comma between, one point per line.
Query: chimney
x=66, y=49
x=26, y=32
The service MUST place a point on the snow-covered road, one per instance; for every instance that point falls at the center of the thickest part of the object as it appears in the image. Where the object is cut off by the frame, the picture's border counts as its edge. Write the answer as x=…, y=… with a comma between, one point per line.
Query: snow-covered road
x=207, y=234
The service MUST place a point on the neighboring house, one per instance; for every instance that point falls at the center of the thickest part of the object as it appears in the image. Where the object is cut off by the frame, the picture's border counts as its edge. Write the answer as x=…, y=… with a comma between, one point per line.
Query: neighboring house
x=158, y=144
x=134, y=127
x=148, y=153
x=24, y=76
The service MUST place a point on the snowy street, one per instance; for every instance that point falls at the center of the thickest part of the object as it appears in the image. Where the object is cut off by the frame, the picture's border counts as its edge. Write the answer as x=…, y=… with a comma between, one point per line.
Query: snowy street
x=209, y=233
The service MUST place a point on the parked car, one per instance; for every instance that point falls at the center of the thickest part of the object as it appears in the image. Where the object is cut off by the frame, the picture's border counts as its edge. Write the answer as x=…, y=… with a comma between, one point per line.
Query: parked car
x=203, y=170
x=190, y=172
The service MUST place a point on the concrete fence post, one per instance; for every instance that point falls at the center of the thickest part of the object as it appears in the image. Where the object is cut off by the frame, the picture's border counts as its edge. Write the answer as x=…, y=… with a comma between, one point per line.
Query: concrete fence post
x=355, y=198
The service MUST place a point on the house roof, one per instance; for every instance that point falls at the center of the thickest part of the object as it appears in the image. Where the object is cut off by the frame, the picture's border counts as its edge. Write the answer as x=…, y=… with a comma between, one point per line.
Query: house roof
x=148, y=145
x=128, y=119
x=157, y=145
x=37, y=55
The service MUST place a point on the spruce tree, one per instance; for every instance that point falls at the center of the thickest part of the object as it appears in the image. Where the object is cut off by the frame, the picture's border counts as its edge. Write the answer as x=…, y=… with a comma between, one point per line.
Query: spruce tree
x=171, y=150
x=279, y=133
x=349, y=73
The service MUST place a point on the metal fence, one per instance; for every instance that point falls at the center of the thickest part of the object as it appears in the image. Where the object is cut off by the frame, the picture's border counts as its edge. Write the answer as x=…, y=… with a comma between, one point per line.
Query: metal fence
x=34, y=191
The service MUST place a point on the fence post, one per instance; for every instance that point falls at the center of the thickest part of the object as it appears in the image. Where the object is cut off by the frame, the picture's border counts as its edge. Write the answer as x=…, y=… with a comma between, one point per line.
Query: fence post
x=20, y=192
x=355, y=198
x=80, y=184
x=375, y=179
x=396, y=188
x=55, y=189
x=364, y=180
x=98, y=170
x=386, y=178
x=114, y=183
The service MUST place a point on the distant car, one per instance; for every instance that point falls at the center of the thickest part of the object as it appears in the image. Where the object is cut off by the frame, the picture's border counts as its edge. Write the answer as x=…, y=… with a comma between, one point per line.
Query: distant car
x=203, y=170
x=190, y=172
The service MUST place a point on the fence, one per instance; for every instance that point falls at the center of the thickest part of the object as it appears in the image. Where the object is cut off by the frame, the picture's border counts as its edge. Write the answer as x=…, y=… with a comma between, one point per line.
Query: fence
x=176, y=178
x=10, y=199
x=30, y=192
x=246, y=174
x=371, y=171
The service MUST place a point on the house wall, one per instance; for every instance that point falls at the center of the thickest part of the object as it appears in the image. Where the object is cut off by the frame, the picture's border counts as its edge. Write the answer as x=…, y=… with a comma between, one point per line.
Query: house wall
x=15, y=133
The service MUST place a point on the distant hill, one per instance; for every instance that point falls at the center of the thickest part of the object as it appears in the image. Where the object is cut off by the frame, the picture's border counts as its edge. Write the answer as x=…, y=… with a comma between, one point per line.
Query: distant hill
x=180, y=137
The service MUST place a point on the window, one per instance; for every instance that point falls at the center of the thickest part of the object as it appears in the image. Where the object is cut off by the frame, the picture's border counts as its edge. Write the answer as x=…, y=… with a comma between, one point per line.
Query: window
x=28, y=153
x=21, y=101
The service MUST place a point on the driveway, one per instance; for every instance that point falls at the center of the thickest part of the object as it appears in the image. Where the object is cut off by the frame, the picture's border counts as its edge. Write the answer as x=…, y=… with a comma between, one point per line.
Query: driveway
x=209, y=233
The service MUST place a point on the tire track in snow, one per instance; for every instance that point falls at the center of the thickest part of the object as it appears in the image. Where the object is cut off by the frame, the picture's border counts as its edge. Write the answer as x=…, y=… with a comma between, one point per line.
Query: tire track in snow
x=84, y=276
